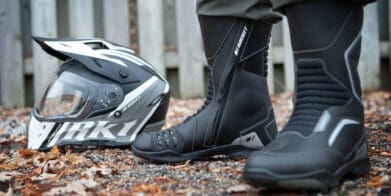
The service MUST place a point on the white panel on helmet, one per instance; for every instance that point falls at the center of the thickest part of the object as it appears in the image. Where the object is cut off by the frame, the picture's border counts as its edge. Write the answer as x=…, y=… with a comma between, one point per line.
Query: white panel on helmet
x=38, y=132
x=80, y=48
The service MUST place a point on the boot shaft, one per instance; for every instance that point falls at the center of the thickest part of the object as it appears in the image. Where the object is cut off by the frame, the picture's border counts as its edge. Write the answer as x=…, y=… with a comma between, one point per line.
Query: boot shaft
x=236, y=51
x=327, y=93
x=229, y=42
x=333, y=39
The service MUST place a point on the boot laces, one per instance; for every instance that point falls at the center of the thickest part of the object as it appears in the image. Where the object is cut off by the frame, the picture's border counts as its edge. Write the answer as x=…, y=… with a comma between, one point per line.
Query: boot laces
x=167, y=138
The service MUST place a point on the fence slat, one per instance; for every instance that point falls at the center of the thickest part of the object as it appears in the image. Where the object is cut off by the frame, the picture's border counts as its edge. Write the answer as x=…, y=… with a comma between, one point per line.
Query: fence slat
x=44, y=24
x=150, y=26
x=116, y=21
x=369, y=64
x=289, y=67
x=190, y=53
x=81, y=18
x=11, y=60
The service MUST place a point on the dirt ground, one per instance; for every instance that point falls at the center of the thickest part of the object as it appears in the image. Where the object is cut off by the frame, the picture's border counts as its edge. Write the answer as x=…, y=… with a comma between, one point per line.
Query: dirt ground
x=119, y=172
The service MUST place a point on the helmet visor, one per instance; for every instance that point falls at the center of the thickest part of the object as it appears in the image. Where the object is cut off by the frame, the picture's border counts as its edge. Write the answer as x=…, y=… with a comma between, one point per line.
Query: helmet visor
x=64, y=97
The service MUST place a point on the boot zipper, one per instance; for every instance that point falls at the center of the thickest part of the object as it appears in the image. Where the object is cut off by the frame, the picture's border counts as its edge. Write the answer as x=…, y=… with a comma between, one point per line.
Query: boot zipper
x=212, y=132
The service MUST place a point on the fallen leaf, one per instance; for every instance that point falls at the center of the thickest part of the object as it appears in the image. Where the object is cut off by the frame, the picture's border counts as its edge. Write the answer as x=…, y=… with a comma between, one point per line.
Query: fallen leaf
x=54, y=153
x=240, y=188
x=7, y=176
x=379, y=169
x=75, y=159
x=39, y=161
x=12, y=165
x=27, y=153
x=147, y=188
x=98, y=171
x=20, y=139
x=33, y=189
x=10, y=192
x=377, y=181
x=3, y=157
x=53, y=166
x=3, y=130
x=43, y=176
x=163, y=180
x=78, y=187
x=187, y=163
x=388, y=154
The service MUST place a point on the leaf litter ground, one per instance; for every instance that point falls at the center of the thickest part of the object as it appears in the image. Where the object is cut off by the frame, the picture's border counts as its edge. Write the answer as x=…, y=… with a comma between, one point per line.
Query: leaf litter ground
x=119, y=172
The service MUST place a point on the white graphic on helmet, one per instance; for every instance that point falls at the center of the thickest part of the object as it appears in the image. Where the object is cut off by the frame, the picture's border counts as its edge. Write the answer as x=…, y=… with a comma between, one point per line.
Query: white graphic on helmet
x=80, y=131
x=78, y=47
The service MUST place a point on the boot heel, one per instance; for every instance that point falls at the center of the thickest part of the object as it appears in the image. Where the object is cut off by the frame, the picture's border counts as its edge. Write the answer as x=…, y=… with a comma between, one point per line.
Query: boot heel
x=361, y=168
x=361, y=163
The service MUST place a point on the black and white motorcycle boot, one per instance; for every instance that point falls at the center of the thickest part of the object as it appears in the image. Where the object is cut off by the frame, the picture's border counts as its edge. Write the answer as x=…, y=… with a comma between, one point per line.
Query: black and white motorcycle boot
x=237, y=116
x=324, y=139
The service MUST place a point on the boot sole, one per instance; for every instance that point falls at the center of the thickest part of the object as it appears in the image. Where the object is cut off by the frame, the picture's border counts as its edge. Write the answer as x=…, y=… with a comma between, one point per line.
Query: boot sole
x=322, y=180
x=168, y=156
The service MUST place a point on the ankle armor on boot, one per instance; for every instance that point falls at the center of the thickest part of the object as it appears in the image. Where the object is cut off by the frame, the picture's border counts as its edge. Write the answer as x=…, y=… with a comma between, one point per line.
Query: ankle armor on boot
x=237, y=116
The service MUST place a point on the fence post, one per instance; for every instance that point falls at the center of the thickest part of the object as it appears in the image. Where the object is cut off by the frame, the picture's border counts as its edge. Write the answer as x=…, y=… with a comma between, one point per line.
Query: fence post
x=81, y=18
x=11, y=61
x=150, y=26
x=369, y=64
x=44, y=24
x=190, y=53
x=289, y=66
x=116, y=24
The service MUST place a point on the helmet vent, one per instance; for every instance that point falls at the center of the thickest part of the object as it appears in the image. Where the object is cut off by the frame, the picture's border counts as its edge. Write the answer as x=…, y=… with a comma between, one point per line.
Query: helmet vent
x=96, y=45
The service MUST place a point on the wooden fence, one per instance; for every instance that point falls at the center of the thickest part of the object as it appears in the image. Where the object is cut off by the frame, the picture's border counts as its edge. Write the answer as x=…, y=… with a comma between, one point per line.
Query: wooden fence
x=164, y=32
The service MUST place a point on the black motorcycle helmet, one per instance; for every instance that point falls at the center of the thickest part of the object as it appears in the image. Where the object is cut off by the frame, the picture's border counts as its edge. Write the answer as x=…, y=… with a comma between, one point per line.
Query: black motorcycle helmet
x=102, y=95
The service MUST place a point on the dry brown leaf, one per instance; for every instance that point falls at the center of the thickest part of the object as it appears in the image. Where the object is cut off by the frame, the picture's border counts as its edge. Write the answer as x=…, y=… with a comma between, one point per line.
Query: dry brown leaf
x=147, y=188
x=163, y=180
x=388, y=154
x=27, y=153
x=75, y=159
x=43, y=176
x=98, y=171
x=185, y=165
x=39, y=161
x=12, y=165
x=38, y=170
x=7, y=176
x=31, y=190
x=10, y=192
x=3, y=130
x=3, y=157
x=240, y=188
x=21, y=139
x=78, y=187
x=54, y=153
x=377, y=181
x=53, y=166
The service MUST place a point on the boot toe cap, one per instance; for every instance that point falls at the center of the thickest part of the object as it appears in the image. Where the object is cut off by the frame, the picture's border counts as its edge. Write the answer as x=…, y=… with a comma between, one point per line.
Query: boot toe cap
x=143, y=142
x=277, y=163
